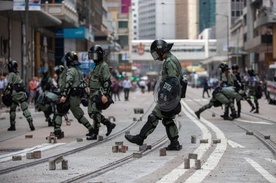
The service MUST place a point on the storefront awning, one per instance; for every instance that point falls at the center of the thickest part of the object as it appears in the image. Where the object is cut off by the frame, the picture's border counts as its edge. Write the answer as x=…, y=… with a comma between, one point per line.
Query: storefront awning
x=214, y=59
x=36, y=18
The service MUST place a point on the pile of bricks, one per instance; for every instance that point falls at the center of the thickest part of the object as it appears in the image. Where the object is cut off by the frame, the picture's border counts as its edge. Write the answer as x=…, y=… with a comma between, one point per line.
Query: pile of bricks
x=54, y=161
x=29, y=155
x=187, y=161
x=119, y=147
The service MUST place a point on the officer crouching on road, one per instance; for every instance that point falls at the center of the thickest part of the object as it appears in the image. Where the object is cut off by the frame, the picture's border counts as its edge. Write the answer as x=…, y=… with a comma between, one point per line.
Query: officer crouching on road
x=99, y=84
x=15, y=94
x=168, y=87
x=71, y=92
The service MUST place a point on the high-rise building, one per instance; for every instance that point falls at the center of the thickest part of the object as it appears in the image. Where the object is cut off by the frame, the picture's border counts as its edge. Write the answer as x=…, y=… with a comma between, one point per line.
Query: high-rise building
x=156, y=19
x=207, y=17
x=135, y=19
x=186, y=19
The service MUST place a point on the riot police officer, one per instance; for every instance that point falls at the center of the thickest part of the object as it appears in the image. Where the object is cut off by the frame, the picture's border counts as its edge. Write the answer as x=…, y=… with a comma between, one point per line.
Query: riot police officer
x=45, y=105
x=252, y=84
x=71, y=90
x=18, y=95
x=239, y=86
x=217, y=100
x=99, y=84
x=227, y=78
x=160, y=50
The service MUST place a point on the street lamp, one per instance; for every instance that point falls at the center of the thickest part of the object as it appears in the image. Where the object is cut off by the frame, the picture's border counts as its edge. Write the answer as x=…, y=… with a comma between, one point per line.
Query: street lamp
x=227, y=18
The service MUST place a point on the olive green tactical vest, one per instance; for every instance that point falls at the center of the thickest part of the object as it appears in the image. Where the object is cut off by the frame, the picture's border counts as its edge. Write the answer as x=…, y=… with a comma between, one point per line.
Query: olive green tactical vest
x=99, y=75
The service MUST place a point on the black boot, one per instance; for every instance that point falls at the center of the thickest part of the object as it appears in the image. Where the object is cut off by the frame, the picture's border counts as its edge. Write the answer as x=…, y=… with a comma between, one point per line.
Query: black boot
x=93, y=134
x=136, y=139
x=30, y=121
x=59, y=134
x=257, y=110
x=12, y=128
x=50, y=123
x=174, y=146
x=234, y=115
x=110, y=127
x=252, y=105
x=197, y=113
x=224, y=116
x=252, y=108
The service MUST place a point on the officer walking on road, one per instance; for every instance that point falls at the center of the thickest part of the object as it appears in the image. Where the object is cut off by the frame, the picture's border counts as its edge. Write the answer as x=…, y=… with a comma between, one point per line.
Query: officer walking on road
x=47, y=86
x=17, y=96
x=72, y=92
x=99, y=84
x=252, y=84
x=239, y=87
x=160, y=50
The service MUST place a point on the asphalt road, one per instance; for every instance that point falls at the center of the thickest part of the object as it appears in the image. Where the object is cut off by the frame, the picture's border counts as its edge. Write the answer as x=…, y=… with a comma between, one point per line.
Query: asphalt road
x=239, y=157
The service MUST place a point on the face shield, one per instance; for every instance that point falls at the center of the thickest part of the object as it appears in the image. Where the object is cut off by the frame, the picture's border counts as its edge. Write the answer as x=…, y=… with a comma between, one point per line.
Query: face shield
x=156, y=56
x=93, y=55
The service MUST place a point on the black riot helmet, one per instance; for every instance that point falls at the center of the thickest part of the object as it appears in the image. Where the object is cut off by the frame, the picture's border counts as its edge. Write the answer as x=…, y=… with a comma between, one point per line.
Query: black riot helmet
x=235, y=67
x=251, y=72
x=96, y=53
x=223, y=67
x=59, y=69
x=12, y=66
x=158, y=48
x=71, y=59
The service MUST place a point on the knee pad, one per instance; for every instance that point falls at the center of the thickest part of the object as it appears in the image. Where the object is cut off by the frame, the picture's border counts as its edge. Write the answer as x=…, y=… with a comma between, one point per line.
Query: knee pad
x=152, y=117
x=167, y=122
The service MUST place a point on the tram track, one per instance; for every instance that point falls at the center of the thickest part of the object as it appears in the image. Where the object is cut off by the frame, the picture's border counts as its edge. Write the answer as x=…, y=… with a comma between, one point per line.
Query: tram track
x=270, y=144
x=111, y=166
x=76, y=150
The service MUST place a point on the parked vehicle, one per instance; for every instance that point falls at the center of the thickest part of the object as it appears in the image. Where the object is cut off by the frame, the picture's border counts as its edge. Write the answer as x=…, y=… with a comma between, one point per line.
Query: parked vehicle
x=271, y=84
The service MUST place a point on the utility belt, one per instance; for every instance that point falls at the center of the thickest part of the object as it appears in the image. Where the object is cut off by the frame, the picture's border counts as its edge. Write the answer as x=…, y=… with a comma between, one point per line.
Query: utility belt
x=18, y=87
x=77, y=91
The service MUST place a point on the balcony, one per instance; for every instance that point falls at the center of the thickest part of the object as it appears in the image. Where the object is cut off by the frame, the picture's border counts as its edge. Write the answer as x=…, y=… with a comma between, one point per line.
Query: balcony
x=258, y=44
x=63, y=11
x=266, y=16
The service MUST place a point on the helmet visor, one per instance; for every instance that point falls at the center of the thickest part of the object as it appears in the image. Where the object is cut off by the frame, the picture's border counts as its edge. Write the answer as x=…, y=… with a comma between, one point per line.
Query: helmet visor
x=93, y=55
x=155, y=55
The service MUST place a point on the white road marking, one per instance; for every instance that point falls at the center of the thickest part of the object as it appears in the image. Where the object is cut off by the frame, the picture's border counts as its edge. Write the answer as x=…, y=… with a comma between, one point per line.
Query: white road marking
x=197, y=100
x=45, y=146
x=271, y=160
x=214, y=157
x=211, y=162
x=179, y=171
x=255, y=122
x=261, y=170
x=234, y=144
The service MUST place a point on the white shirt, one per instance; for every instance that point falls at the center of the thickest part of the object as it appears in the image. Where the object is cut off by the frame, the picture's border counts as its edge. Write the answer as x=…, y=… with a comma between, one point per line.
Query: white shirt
x=127, y=84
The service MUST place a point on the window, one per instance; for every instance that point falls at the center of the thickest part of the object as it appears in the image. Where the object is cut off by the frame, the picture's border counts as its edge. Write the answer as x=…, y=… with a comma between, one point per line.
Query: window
x=123, y=24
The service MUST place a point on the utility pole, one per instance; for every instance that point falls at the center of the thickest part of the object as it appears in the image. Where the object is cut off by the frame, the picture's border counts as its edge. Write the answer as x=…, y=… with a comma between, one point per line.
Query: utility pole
x=26, y=59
